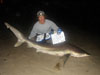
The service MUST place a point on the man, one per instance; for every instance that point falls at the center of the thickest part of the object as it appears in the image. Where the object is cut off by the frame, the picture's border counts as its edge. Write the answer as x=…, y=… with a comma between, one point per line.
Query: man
x=43, y=28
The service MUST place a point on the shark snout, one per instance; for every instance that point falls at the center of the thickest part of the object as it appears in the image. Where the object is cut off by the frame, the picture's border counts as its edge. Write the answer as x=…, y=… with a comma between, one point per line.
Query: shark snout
x=80, y=55
x=84, y=55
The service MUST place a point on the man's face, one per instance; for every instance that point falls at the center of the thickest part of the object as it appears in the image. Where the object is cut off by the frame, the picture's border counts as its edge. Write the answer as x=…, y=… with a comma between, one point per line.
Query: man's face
x=41, y=19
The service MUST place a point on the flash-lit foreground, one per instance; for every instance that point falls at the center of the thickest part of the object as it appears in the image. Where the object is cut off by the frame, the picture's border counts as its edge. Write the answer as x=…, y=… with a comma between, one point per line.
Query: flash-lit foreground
x=69, y=49
x=65, y=52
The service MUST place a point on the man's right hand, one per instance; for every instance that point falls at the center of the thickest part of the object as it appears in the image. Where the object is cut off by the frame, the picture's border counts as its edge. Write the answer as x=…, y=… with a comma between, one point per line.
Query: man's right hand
x=32, y=38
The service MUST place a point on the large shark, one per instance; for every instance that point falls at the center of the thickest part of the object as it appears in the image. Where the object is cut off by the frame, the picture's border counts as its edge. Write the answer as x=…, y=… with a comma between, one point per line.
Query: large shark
x=66, y=50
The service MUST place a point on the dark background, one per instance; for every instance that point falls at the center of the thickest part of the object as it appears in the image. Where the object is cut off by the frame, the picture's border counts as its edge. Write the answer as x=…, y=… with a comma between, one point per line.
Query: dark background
x=82, y=14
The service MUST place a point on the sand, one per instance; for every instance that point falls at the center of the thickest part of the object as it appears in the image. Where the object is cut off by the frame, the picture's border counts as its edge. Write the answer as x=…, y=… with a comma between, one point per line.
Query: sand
x=25, y=61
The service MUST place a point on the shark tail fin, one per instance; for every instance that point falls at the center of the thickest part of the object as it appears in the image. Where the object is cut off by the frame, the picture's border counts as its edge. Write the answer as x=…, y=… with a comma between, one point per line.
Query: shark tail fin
x=18, y=43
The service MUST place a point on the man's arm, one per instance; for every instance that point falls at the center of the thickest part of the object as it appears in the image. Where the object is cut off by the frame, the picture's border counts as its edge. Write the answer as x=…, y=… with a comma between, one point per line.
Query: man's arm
x=54, y=26
x=33, y=32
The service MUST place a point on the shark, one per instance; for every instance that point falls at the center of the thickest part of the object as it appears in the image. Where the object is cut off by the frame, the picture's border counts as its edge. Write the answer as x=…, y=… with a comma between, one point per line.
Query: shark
x=63, y=50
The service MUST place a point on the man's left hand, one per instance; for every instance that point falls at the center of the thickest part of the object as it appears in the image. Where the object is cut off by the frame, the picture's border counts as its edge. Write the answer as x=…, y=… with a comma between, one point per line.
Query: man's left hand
x=59, y=31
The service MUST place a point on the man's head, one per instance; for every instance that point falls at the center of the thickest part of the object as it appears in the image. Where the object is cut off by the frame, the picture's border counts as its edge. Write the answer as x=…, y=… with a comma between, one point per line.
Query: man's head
x=41, y=16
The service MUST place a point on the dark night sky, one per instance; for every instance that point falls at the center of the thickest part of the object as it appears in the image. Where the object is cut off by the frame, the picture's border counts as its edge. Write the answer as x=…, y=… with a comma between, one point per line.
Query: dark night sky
x=83, y=14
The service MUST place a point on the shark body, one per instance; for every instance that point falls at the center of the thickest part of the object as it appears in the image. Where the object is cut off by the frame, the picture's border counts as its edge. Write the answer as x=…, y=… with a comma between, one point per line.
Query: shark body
x=69, y=49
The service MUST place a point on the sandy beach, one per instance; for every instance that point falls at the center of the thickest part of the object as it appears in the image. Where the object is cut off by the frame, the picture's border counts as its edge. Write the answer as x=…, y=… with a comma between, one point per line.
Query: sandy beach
x=25, y=61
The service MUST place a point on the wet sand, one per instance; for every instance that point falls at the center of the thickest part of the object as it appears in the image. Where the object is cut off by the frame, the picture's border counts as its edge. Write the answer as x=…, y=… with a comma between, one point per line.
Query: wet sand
x=25, y=61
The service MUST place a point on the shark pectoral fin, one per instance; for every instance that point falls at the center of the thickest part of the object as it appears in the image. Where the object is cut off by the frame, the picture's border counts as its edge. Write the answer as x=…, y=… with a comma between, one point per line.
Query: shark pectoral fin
x=62, y=61
x=18, y=43
x=66, y=58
